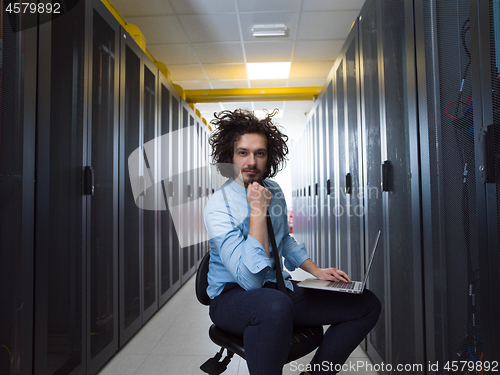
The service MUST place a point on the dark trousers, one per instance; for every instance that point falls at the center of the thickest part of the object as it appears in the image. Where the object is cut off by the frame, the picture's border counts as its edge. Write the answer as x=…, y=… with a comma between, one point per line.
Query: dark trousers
x=265, y=318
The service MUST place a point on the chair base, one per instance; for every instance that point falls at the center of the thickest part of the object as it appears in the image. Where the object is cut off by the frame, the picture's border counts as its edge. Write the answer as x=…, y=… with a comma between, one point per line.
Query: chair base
x=304, y=340
x=214, y=366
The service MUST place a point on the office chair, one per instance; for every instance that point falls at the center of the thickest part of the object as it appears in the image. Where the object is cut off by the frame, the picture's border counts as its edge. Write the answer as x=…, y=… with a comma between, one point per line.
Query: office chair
x=304, y=339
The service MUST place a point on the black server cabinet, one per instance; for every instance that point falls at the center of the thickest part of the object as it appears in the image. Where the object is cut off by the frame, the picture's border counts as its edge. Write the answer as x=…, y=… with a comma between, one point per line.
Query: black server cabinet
x=370, y=109
x=354, y=211
x=166, y=284
x=76, y=253
x=130, y=214
x=186, y=207
x=140, y=199
x=200, y=204
x=175, y=199
x=193, y=190
x=61, y=208
x=331, y=258
x=316, y=213
x=310, y=234
x=151, y=230
x=485, y=56
x=452, y=270
x=340, y=171
x=398, y=195
x=17, y=175
x=324, y=198
x=101, y=327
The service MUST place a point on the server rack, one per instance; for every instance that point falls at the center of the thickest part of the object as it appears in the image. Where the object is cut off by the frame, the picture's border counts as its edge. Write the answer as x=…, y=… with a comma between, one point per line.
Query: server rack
x=61, y=231
x=340, y=181
x=400, y=191
x=485, y=28
x=175, y=199
x=331, y=258
x=101, y=325
x=325, y=199
x=354, y=160
x=370, y=109
x=151, y=231
x=131, y=172
x=17, y=174
x=77, y=98
x=336, y=77
x=168, y=283
x=452, y=261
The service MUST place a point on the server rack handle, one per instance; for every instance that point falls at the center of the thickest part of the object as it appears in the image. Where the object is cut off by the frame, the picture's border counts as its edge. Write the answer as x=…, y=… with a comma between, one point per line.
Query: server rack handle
x=487, y=155
x=348, y=183
x=385, y=175
x=88, y=181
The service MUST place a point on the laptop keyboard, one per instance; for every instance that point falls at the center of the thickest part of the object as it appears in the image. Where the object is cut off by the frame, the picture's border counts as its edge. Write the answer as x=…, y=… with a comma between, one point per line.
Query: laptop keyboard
x=340, y=284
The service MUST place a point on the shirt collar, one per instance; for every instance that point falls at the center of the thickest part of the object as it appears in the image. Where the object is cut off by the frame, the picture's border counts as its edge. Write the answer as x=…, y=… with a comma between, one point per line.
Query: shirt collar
x=237, y=187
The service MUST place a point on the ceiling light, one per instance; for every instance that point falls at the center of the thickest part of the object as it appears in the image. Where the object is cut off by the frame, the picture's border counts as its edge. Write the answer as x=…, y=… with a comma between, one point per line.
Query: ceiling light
x=270, y=30
x=273, y=70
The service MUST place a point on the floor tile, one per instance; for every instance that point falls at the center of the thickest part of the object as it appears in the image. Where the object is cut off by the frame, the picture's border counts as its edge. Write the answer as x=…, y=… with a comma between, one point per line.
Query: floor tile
x=123, y=364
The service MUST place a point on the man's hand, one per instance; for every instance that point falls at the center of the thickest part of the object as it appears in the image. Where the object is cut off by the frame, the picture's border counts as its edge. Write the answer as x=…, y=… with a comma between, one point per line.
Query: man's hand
x=259, y=199
x=330, y=274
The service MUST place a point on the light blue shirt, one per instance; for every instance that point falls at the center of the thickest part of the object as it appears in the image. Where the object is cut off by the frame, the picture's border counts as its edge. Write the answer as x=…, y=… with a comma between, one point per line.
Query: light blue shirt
x=236, y=256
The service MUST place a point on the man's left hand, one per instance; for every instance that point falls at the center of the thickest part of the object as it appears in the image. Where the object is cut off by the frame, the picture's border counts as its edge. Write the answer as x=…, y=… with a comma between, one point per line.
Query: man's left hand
x=332, y=274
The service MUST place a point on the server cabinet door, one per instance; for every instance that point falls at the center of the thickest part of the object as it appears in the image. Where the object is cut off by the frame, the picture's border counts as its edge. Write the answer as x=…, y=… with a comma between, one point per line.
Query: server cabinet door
x=185, y=213
x=193, y=190
x=354, y=187
x=324, y=198
x=316, y=212
x=310, y=194
x=485, y=53
x=402, y=186
x=165, y=219
x=370, y=102
x=61, y=206
x=175, y=198
x=340, y=185
x=200, y=188
x=330, y=228
x=133, y=176
x=449, y=209
x=151, y=198
x=17, y=176
x=102, y=285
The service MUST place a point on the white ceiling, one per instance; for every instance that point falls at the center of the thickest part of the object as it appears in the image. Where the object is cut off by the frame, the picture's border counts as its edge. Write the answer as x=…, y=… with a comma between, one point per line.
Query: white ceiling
x=206, y=44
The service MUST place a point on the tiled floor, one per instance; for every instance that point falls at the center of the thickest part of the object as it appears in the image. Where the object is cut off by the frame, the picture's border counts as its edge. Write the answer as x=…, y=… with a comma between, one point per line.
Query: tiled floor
x=175, y=341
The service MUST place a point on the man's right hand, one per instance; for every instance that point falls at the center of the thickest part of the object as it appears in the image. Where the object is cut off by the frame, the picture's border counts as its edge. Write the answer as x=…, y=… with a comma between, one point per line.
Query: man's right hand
x=259, y=199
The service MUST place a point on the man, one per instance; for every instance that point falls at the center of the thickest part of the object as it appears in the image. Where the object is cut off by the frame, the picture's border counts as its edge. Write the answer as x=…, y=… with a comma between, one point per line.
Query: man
x=242, y=277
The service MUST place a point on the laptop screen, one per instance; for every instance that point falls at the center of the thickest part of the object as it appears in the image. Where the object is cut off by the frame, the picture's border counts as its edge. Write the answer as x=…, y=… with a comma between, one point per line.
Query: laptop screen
x=371, y=259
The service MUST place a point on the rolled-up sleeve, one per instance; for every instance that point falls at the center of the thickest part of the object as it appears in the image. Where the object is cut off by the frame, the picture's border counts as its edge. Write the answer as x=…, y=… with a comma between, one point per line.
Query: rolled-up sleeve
x=294, y=253
x=242, y=255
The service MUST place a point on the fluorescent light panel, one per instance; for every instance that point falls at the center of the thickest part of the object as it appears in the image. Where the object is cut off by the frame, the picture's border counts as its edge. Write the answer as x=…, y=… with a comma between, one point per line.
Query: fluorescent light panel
x=269, y=30
x=274, y=70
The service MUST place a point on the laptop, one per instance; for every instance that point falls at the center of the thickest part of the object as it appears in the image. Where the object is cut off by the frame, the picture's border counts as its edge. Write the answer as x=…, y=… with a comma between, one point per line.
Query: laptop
x=356, y=287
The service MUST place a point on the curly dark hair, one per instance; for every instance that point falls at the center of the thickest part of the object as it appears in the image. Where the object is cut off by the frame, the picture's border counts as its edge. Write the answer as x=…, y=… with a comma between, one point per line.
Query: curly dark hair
x=229, y=126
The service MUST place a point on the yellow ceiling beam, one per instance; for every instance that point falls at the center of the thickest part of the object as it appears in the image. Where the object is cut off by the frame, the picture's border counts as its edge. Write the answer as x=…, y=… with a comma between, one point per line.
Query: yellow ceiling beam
x=254, y=95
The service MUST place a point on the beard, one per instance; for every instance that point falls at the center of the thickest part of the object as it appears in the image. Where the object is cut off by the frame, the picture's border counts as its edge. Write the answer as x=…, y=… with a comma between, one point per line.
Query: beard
x=252, y=178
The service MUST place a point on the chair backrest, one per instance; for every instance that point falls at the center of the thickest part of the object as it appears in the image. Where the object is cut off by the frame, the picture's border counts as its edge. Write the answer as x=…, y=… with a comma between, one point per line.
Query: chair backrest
x=202, y=281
